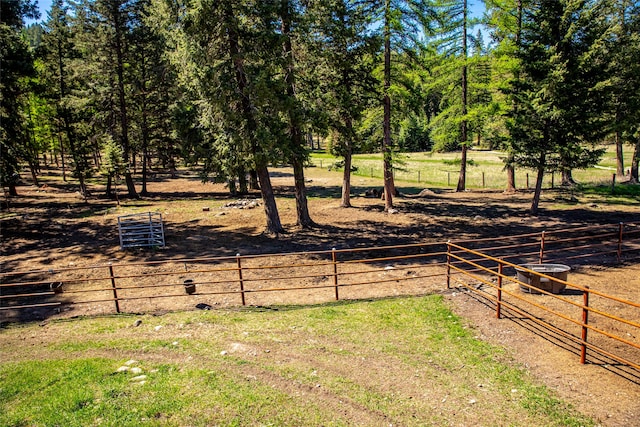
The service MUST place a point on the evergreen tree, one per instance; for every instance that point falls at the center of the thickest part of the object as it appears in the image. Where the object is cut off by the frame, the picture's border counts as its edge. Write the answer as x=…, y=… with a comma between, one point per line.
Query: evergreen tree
x=621, y=56
x=452, y=42
x=289, y=13
x=344, y=51
x=552, y=127
x=402, y=24
x=505, y=20
x=57, y=53
x=226, y=53
x=16, y=65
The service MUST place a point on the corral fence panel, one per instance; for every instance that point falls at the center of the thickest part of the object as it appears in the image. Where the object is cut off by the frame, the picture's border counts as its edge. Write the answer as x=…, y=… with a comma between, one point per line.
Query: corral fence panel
x=141, y=230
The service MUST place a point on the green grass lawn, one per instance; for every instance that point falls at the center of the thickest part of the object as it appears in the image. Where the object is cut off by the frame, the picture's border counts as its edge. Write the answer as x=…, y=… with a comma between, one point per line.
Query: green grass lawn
x=440, y=169
x=404, y=361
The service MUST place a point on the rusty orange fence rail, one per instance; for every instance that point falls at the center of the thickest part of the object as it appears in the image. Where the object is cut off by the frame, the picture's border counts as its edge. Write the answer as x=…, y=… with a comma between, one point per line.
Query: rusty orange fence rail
x=285, y=278
x=289, y=278
x=590, y=319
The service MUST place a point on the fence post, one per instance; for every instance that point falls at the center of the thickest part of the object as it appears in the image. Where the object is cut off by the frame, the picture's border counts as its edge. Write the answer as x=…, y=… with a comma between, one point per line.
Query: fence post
x=448, y=178
x=552, y=178
x=542, y=247
x=482, y=179
x=240, y=278
x=418, y=177
x=585, y=322
x=620, y=228
x=499, y=304
x=335, y=271
x=113, y=286
x=527, y=181
x=448, y=265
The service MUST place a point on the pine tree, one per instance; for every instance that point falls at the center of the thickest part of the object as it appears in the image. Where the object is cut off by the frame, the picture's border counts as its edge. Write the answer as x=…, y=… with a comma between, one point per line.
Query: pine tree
x=344, y=52
x=452, y=43
x=16, y=65
x=226, y=54
x=553, y=128
x=58, y=51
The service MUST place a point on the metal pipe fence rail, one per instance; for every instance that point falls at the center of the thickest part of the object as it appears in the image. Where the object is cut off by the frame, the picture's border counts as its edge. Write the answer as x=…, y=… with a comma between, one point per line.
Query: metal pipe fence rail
x=309, y=277
x=588, y=318
x=291, y=278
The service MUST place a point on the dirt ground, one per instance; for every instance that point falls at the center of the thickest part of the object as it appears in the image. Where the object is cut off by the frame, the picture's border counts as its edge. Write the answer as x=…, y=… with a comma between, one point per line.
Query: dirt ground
x=52, y=227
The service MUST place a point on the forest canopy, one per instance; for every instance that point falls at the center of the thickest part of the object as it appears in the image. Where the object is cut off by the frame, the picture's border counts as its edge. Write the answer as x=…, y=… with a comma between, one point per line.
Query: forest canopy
x=116, y=88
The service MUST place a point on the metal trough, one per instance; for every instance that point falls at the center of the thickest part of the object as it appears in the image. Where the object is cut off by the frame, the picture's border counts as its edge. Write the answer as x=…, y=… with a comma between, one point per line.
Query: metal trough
x=558, y=271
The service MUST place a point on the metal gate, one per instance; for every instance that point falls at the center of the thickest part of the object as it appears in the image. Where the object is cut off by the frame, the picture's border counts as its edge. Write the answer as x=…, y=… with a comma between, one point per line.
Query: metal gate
x=141, y=230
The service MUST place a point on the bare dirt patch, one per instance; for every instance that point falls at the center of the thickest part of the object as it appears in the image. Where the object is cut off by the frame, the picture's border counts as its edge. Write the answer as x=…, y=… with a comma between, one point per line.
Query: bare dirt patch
x=57, y=229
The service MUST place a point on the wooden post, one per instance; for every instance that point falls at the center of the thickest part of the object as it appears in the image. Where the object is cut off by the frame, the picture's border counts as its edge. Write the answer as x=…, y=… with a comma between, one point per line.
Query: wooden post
x=620, y=229
x=335, y=271
x=499, y=303
x=114, y=288
x=371, y=174
x=448, y=266
x=482, y=179
x=418, y=177
x=240, y=278
x=542, y=247
x=527, y=180
x=585, y=322
x=552, y=178
x=448, y=178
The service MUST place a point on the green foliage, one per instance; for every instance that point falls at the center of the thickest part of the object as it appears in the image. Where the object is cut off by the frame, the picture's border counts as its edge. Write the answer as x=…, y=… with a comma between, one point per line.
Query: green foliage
x=112, y=163
x=457, y=162
x=16, y=65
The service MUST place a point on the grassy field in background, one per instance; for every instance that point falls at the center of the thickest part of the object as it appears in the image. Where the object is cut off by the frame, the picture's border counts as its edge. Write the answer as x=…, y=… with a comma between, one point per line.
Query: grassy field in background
x=403, y=361
x=436, y=169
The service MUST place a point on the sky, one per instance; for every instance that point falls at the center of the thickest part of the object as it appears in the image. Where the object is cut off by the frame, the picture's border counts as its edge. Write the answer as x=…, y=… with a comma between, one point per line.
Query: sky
x=477, y=8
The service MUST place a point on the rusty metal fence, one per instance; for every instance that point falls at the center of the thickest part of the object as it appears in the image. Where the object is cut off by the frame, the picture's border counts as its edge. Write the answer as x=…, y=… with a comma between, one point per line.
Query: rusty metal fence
x=284, y=278
x=597, y=323
x=289, y=278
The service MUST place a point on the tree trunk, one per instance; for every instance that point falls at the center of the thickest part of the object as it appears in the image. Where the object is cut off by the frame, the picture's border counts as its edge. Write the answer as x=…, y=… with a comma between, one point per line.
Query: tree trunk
x=386, y=141
x=462, y=179
x=131, y=188
x=511, y=177
x=302, y=209
x=242, y=181
x=537, y=192
x=109, y=182
x=567, y=178
x=619, y=155
x=295, y=129
x=12, y=189
x=144, y=125
x=124, y=121
x=346, y=178
x=634, y=162
x=143, y=191
x=271, y=210
x=34, y=174
x=64, y=168
x=231, y=184
x=253, y=180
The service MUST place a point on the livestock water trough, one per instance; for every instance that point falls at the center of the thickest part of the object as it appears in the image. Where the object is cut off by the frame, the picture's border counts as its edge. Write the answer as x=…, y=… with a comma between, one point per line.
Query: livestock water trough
x=536, y=282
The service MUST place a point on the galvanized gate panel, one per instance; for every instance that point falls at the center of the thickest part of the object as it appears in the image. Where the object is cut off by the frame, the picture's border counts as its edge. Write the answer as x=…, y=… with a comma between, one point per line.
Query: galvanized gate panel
x=141, y=230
